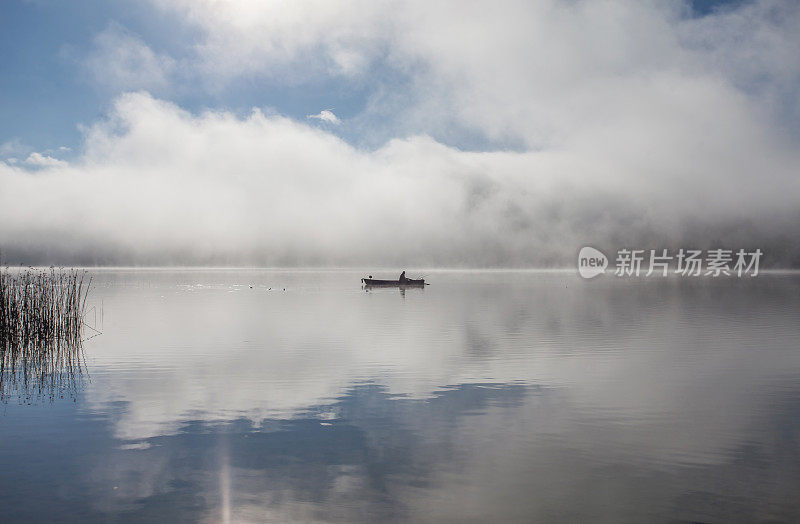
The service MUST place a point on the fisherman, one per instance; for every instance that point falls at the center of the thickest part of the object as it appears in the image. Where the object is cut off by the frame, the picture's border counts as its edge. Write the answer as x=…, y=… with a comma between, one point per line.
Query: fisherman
x=403, y=277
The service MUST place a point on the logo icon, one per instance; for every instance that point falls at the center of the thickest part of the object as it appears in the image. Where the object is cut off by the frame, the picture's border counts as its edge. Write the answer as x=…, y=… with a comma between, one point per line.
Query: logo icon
x=591, y=262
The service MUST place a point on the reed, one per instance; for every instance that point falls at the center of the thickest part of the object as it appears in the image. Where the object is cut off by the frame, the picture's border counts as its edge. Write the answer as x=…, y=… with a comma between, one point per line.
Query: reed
x=41, y=320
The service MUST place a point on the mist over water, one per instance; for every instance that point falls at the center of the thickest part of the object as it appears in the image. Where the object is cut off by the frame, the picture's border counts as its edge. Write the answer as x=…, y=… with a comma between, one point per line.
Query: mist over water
x=215, y=395
x=157, y=185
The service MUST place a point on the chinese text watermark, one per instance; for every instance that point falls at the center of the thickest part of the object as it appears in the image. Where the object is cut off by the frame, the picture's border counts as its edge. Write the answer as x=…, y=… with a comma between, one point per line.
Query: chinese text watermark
x=662, y=262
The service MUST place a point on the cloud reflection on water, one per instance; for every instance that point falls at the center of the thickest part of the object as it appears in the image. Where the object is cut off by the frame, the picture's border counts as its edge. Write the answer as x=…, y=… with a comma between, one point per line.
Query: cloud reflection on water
x=496, y=396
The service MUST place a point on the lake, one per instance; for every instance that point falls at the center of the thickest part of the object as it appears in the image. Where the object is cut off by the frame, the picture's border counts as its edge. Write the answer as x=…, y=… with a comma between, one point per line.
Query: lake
x=221, y=395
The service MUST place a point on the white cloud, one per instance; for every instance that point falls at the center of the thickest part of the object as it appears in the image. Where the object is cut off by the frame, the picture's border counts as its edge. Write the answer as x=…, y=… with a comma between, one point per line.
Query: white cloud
x=535, y=73
x=290, y=41
x=326, y=116
x=13, y=147
x=122, y=61
x=40, y=160
x=168, y=186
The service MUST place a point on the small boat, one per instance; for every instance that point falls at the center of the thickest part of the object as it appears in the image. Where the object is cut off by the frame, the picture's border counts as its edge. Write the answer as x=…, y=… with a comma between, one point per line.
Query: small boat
x=409, y=282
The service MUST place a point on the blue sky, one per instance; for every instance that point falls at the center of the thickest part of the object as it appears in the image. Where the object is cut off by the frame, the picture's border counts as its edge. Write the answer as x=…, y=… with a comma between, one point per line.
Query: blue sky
x=46, y=91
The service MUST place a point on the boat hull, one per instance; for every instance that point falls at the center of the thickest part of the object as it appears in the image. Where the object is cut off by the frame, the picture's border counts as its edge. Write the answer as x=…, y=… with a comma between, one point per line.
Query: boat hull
x=396, y=283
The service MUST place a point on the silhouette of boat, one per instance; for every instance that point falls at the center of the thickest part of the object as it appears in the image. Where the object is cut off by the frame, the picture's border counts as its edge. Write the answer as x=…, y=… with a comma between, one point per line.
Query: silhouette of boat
x=409, y=282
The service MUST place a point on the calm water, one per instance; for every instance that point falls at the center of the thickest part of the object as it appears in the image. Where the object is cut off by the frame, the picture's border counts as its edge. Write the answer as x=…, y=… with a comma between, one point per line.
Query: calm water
x=496, y=396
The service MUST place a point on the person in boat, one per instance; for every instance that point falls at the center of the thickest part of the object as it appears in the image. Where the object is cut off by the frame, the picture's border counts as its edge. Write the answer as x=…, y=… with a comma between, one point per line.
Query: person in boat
x=403, y=277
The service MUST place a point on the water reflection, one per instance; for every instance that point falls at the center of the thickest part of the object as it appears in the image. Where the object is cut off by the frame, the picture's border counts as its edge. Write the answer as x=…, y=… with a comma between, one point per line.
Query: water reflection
x=513, y=396
x=57, y=373
x=393, y=289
